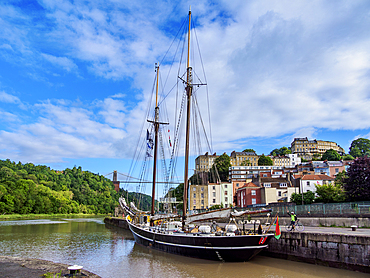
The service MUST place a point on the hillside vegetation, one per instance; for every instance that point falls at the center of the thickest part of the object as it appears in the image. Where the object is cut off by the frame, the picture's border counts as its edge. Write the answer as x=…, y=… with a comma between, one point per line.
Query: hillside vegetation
x=37, y=189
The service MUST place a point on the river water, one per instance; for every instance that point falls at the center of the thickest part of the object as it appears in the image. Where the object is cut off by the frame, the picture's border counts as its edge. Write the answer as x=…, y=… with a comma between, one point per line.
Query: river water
x=112, y=252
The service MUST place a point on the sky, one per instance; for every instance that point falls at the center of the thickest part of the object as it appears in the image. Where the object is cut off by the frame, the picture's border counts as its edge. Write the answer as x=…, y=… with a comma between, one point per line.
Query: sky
x=75, y=75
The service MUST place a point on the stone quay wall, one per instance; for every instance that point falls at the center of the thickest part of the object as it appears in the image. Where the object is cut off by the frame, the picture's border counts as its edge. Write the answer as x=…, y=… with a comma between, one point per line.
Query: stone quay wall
x=118, y=222
x=334, y=250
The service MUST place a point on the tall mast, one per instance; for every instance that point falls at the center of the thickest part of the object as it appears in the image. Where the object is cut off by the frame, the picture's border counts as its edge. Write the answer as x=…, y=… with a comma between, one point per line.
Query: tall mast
x=156, y=127
x=189, y=89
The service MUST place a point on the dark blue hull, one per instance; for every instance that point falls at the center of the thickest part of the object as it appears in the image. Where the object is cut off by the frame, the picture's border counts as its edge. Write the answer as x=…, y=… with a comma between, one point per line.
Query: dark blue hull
x=237, y=248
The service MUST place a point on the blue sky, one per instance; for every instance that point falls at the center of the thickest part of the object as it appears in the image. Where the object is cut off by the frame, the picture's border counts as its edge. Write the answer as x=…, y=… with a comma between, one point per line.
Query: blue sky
x=75, y=75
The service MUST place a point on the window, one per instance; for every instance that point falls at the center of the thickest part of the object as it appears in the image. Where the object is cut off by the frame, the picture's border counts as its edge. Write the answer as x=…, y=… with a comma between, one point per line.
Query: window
x=225, y=199
x=194, y=188
x=194, y=202
x=214, y=187
x=336, y=170
x=214, y=200
x=225, y=185
x=308, y=183
x=194, y=207
x=202, y=207
x=237, y=185
x=226, y=192
x=283, y=184
x=202, y=189
x=267, y=184
x=265, y=175
x=202, y=202
x=214, y=194
x=254, y=201
x=279, y=193
x=202, y=195
x=253, y=192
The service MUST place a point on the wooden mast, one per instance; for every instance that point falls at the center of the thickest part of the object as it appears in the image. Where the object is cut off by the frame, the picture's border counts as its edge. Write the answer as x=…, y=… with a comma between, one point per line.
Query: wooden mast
x=156, y=127
x=189, y=89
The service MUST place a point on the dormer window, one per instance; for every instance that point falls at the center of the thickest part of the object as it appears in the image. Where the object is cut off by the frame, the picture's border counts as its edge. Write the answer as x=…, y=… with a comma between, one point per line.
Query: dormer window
x=267, y=184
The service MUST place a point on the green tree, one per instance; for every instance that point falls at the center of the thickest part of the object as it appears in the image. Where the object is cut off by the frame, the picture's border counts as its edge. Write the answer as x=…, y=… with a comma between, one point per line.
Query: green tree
x=357, y=184
x=360, y=147
x=331, y=155
x=265, y=161
x=249, y=151
x=280, y=152
x=340, y=178
x=348, y=157
x=222, y=165
x=330, y=193
x=308, y=198
x=29, y=188
x=215, y=207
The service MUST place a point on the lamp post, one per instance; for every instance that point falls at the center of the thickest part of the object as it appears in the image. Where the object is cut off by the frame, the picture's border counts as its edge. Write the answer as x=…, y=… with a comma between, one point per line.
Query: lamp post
x=302, y=193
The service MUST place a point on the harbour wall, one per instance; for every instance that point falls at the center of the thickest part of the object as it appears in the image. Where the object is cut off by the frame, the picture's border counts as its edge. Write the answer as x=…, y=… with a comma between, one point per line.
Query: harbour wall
x=117, y=222
x=335, y=250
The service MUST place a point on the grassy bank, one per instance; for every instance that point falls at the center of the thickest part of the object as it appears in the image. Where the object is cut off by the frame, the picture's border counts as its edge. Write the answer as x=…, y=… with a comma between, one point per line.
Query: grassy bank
x=42, y=216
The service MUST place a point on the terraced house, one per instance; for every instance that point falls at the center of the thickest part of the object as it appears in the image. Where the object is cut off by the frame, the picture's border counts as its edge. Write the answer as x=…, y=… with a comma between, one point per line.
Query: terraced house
x=308, y=149
x=203, y=163
x=244, y=159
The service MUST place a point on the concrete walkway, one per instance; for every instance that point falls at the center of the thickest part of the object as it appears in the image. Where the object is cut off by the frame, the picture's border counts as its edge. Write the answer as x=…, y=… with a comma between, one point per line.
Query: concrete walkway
x=16, y=267
x=336, y=231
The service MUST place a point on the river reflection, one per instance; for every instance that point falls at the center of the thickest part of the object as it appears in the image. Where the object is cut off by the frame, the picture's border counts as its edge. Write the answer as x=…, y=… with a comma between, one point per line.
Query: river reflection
x=111, y=252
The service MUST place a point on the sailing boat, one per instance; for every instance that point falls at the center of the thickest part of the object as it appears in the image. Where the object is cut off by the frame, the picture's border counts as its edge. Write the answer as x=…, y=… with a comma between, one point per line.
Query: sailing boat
x=184, y=238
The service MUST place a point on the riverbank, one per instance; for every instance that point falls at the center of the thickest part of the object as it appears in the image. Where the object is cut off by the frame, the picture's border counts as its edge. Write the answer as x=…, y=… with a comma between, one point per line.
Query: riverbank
x=15, y=267
x=8, y=217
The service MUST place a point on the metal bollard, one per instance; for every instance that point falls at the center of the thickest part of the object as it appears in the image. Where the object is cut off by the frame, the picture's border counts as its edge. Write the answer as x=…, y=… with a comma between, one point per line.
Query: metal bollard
x=75, y=270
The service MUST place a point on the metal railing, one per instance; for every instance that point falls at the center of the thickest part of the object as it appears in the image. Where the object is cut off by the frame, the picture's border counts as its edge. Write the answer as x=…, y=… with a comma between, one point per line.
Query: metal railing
x=350, y=209
x=328, y=209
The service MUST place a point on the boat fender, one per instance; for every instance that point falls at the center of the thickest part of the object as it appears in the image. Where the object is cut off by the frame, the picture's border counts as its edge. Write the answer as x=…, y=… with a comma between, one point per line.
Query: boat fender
x=204, y=229
x=231, y=228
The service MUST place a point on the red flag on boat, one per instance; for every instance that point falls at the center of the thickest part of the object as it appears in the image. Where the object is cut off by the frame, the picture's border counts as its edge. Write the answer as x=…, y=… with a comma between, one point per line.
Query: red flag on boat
x=277, y=229
x=169, y=138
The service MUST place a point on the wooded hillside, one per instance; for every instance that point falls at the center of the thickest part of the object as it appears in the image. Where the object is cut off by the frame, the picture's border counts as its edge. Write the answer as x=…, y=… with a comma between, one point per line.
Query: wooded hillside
x=29, y=188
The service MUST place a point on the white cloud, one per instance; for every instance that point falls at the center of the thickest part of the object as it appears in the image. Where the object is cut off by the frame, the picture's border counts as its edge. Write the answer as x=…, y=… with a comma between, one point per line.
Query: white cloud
x=60, y=132
x=63, y=62
x=275, y=69
x=7, y=98
x=113, y=112
x=8, y=117
x=280, y=73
